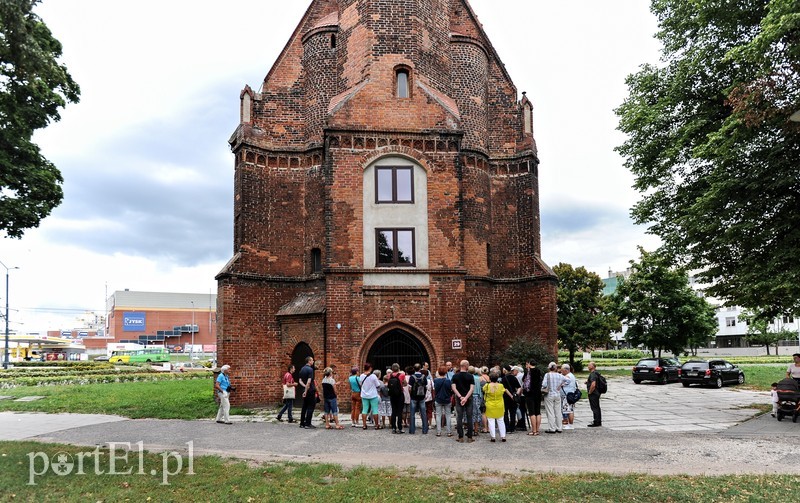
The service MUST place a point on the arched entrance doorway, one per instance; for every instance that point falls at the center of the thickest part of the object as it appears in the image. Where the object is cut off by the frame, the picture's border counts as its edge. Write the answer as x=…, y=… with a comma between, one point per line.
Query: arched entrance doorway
x=396, y=346
x=301, y=351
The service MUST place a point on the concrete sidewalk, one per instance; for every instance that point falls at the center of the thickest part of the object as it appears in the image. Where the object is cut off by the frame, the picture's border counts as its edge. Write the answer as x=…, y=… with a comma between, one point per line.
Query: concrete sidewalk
x=21, y=425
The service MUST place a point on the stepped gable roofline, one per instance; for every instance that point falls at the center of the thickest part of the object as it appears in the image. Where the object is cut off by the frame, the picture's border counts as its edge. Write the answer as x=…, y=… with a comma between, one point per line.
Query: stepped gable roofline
x=304, y=304
x=488, y=43
x=292, y=39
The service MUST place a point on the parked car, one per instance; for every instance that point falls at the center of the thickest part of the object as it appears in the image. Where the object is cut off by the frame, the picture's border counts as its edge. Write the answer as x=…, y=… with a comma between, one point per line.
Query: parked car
x=103, y=358
x=661, y=370
x=715, y=373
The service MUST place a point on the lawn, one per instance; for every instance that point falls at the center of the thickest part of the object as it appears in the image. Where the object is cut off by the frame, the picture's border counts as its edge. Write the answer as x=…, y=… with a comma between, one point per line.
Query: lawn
x=216, y=479
x=180, y=399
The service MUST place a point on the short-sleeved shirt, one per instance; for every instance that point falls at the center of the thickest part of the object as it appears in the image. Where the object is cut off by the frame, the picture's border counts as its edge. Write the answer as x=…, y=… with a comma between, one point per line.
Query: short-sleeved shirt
x=570, y=384
x=307, y=375
x=592, y=378
x=328, y=388
x=287, y=378
x=224, y=382
x=462, y=381
x=477, y=380
x=354, y=387
x=554, y=381
x=794, y=371
x=493, y=398
x=369, y=386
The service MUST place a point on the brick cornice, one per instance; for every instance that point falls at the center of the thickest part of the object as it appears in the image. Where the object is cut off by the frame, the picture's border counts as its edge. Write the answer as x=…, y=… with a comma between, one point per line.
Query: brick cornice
x=526, y=279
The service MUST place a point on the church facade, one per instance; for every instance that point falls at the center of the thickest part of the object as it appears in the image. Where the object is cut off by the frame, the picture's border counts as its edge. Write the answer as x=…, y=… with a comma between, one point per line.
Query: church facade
x=386, y=200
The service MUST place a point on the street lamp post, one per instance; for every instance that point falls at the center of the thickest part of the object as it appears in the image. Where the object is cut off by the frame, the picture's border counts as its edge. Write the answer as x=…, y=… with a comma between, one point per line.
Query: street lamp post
x=191, y=351
x=5, y=351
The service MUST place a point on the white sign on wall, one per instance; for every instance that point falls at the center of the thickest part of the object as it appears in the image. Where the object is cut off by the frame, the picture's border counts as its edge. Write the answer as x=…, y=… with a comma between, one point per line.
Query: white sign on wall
x=456, y=343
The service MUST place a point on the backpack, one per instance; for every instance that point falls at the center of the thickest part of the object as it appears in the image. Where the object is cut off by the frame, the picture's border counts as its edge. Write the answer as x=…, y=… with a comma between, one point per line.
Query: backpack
x=601, y=385
x=395, y=387
x=418, y=388
x=443, y=391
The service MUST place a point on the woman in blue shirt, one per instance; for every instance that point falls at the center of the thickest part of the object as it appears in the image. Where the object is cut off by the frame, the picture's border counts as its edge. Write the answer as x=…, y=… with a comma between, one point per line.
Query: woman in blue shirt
x=223, y=388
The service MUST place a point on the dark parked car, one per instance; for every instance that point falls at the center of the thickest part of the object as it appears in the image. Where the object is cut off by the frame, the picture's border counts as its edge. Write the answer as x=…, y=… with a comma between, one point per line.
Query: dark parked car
x=711, y=373
x=661, y=370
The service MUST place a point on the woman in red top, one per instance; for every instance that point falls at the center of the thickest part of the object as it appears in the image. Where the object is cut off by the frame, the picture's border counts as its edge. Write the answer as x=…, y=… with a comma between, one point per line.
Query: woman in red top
x=288, y=380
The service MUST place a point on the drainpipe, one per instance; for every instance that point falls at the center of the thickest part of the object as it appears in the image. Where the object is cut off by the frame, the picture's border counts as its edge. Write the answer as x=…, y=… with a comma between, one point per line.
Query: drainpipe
x=325, y=339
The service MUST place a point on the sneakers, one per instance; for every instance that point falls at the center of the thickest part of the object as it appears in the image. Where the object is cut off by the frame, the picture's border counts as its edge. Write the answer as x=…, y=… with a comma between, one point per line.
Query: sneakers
x=568, y=427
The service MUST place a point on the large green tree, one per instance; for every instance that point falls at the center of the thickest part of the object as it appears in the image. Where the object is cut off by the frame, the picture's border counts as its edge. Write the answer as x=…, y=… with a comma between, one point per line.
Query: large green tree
x=659, y=307
x=584, y=318
x=713, y=150
x=33, y=87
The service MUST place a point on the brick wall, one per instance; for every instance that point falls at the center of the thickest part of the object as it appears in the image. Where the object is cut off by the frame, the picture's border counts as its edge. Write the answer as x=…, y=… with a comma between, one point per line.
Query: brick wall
x=321, y=117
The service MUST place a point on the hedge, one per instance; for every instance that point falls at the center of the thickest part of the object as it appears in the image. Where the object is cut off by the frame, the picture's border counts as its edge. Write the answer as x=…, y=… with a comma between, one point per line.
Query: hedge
x=80, y=379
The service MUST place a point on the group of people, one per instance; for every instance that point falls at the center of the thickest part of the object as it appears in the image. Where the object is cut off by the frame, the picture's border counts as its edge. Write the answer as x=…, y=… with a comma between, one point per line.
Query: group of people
x=496, y=401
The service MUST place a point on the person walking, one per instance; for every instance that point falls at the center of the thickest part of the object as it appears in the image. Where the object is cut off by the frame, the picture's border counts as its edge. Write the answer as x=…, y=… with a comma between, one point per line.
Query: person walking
x=355, y=397
x=553, y=382
x=369, y=384
x=223, y=388
x=309, y=387
x=570, y=386
x=418, y=384
x=494, y=394
x=532, y=394
x=463, y=386
x=289, y=387
x=477, y=400
x=443, y=398
x=594, y=396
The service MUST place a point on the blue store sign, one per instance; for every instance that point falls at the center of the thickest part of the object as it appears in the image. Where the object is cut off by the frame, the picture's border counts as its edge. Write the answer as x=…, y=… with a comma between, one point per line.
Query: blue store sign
x=133, y=321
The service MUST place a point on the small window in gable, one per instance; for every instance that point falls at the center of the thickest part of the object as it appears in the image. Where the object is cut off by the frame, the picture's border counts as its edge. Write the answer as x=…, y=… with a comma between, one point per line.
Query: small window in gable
x=402, y=83
x=333, y=41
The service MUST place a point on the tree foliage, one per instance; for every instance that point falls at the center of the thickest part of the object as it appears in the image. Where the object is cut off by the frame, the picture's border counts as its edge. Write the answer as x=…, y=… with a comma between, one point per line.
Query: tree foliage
x=524, y=349
x=660, y=308
x=33, y=87
x=713, y=150
x=584, y=318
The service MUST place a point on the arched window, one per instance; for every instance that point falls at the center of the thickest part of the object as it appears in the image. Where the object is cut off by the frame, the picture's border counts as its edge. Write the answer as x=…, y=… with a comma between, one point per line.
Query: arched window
x=402, y=83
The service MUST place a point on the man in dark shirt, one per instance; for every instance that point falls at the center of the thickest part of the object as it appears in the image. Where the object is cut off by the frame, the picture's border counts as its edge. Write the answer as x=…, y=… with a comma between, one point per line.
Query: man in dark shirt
x=309, y=388
x=594, y=396
x=511, y=383
x=463, y=387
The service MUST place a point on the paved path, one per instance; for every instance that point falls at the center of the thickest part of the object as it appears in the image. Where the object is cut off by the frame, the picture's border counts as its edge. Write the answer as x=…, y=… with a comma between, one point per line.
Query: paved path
x=647, y=428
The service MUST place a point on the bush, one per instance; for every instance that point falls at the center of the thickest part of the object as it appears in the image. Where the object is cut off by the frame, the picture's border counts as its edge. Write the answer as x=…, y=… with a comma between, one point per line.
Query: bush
x=14, y=382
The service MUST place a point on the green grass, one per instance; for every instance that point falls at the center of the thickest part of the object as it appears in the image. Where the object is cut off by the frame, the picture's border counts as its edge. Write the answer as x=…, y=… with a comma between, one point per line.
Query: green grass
x=760, y=377
x=181, y=399
x=217, y=479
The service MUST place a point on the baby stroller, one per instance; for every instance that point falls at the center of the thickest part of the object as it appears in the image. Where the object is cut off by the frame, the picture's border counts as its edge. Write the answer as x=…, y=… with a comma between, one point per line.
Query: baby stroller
x=788, y=399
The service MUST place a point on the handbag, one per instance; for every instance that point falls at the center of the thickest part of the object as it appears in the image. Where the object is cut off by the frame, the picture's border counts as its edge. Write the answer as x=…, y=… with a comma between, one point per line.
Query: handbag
x=288, y=392
x=572, y=398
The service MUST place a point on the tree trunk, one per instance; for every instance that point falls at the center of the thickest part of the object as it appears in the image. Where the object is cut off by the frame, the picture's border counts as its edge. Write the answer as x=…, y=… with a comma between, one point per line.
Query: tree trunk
x=767, y=348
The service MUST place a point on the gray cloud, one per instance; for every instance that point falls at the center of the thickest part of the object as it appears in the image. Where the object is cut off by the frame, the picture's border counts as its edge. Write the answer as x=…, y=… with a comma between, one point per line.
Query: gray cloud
x=163, y=190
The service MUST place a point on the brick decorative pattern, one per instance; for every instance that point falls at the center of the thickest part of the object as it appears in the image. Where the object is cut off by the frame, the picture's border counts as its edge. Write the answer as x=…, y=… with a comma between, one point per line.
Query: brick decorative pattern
x=325, y=112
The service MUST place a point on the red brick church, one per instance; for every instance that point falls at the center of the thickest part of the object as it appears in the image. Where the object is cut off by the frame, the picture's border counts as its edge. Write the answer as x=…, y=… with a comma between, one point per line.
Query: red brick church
x=386, y=200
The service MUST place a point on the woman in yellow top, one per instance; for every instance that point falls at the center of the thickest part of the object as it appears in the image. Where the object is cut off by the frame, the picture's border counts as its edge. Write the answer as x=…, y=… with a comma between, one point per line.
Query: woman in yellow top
x=495, y=409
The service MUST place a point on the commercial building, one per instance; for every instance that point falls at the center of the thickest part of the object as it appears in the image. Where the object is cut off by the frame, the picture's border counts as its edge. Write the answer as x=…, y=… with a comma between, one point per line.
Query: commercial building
x=167, y=319
x=386, y=199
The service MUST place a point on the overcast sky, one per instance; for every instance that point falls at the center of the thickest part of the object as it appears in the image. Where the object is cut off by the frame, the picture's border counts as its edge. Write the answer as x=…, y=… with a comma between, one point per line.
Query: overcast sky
x=148, y=191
